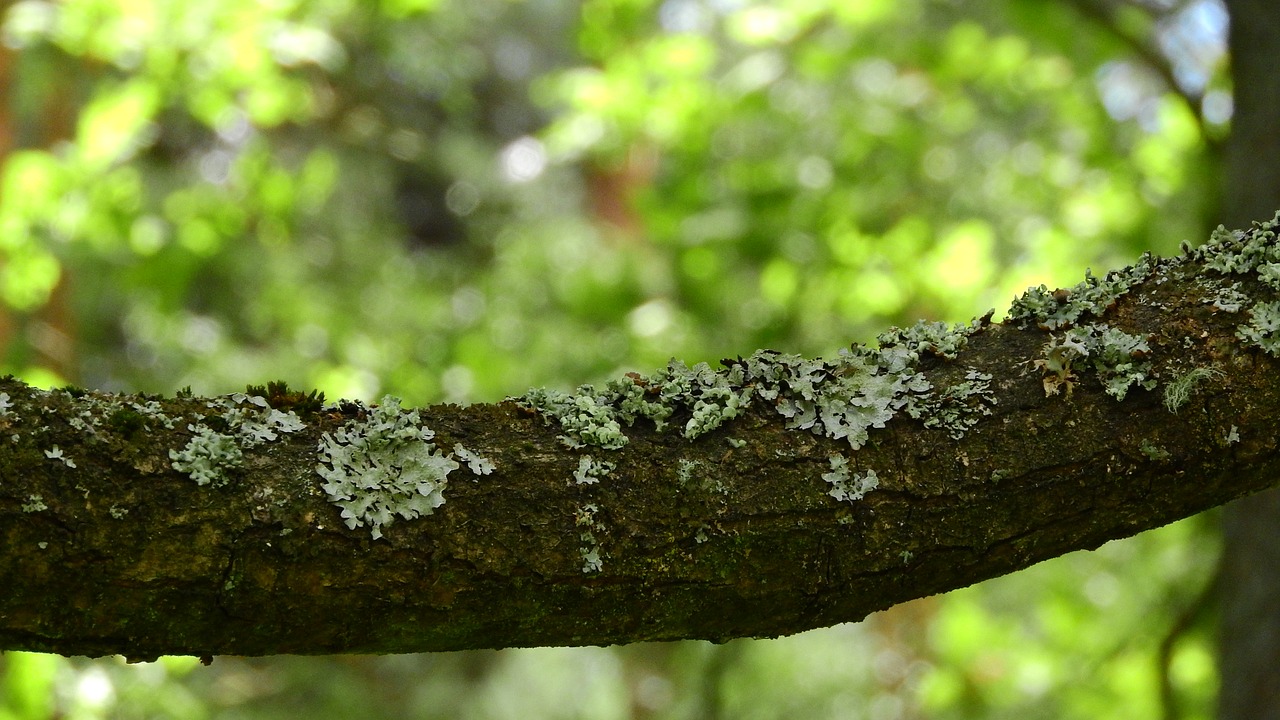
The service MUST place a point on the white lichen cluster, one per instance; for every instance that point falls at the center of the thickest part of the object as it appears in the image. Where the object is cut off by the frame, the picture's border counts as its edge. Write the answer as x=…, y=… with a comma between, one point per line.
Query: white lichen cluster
x=846, y=486
x=248, y=421
x=590, y=470
x=383, y=465
x=1117, y=358
x=207, y=456
x=844, y=398
x=475, y=463
x=56, y=453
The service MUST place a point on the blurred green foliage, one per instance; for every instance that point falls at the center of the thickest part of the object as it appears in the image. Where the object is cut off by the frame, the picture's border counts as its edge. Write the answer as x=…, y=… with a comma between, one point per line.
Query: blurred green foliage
x=452, y=201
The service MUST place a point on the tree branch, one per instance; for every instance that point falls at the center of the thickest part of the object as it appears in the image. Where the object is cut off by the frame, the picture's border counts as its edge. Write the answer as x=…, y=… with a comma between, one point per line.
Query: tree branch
x=773, y=496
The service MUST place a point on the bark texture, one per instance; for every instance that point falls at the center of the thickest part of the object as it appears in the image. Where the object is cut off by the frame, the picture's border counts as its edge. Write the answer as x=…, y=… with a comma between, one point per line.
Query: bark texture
x=109, y=549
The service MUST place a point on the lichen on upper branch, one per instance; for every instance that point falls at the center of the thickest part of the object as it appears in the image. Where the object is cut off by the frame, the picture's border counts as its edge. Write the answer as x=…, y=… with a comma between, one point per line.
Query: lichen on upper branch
x=842, y=398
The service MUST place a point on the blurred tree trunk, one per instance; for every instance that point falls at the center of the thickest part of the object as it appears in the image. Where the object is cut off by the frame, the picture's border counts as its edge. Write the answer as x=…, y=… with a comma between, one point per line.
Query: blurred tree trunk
x=111, y=545
x=1250, y=633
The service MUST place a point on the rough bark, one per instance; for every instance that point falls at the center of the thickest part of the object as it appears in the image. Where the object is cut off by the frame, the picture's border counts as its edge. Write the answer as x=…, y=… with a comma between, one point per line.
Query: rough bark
x=1249, y=636
x=109, y=549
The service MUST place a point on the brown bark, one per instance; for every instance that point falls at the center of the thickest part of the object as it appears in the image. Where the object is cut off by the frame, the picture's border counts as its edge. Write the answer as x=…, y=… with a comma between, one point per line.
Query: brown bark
x=698, y=539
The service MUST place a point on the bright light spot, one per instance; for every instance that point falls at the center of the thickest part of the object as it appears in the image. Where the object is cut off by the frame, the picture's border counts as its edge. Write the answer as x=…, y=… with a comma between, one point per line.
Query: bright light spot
x=814, y=172
x=201, y=335
x=523, y=160
x=1217, y=107
x=94, y=689
x=650, y=319
x=458, y=382
x=678, y=16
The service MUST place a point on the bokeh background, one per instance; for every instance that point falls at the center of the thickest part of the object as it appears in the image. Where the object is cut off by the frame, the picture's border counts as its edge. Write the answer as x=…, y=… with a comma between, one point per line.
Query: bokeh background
x=454, y=201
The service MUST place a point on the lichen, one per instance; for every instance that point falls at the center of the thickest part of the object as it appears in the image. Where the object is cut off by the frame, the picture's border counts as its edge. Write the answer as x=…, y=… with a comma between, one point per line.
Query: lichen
x=1181, y=388
x=590, y=470
x=1263, y=328
x=843, y=398
x=477, y=464
x=589, y=548
x=1065, y=307
x=381, y=466
x=1153, y=451
x=56, y=453
x=1114, y=355
x=210, y=454
x=846, y=486
x=207, y=456
x=35, y=503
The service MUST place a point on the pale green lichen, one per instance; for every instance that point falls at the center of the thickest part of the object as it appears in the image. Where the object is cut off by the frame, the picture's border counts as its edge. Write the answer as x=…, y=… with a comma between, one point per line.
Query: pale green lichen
x=1062, y=308
x=588, y=526
x=590, y=470
x=477, y=464
x=35, y=503
x=844, y=398
x=846, y=486
x=4, y=404
x=1181, y=388
x=210, y=454
x=1232, y=436
x=1263, y=328
x=1153, y=451
x=1228, y=299
x=381, y=466
x=1114, y=355
x=207, y=456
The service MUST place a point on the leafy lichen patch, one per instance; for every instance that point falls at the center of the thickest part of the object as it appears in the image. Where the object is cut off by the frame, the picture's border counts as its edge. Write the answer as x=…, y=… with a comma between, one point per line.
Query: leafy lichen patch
x=1065, y=307
x=847, y=486
x=590, y=470
x=383, y=465
x=843, y=398
x=1117, y=358
x=210, y=454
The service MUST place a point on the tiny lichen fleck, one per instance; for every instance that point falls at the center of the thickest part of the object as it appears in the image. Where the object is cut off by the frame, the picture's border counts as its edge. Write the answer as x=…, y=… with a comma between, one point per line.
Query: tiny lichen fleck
x=477, y=464
x=1153, y=451
x=846, y=486
x=34, y=503
x=56, y=454
x=4, y=404
x=591, y=470
x=1233, y=435
x=588, y=526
